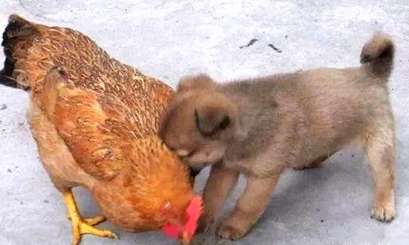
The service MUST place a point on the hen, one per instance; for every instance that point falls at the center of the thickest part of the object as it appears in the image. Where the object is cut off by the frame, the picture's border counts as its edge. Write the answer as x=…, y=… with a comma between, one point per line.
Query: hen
x=95, y=122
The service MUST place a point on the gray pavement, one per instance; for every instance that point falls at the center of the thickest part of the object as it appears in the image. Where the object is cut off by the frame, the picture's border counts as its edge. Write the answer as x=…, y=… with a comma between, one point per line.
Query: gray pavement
x=168, y=39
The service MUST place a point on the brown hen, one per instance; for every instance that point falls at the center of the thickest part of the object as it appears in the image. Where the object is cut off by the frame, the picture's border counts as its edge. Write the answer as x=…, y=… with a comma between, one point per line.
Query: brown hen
x=95, y=121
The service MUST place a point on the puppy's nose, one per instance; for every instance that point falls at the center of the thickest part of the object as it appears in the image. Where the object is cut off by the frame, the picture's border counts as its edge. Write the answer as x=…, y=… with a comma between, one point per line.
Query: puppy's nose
x=182, y=153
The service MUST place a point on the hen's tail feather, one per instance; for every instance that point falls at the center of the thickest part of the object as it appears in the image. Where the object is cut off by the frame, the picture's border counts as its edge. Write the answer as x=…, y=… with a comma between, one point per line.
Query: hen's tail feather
x=18, y=30
x=8, y=81
x=377, y=55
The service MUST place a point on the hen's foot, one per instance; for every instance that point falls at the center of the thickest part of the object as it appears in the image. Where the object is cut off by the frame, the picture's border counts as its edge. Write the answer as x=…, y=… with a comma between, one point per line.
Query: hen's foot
x=82, y=226
x=91, y=221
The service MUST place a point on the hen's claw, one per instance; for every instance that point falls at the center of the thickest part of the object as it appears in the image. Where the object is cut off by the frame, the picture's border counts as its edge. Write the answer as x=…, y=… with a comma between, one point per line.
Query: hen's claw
x=83, y=226
x=91, y=221
x=94, y=220
x=80, y=228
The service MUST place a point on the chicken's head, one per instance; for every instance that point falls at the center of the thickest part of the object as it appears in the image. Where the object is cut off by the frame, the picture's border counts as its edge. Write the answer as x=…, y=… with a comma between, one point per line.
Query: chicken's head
x=183, y=229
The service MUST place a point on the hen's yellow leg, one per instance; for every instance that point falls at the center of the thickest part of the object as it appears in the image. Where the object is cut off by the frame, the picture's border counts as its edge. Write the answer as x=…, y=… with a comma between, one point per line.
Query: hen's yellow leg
x=83, y=226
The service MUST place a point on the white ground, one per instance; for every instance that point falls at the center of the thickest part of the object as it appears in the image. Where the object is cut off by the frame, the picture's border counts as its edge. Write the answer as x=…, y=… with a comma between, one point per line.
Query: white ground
x=169, y=39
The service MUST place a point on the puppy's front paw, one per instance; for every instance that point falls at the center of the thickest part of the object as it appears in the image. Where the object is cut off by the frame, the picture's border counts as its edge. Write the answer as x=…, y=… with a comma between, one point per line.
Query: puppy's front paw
x=385, y=213
x=230, y=232
x=237, y=225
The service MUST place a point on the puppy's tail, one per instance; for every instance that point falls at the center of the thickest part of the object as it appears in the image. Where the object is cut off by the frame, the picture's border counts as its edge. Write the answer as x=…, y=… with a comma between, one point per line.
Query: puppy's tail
x=377, y=55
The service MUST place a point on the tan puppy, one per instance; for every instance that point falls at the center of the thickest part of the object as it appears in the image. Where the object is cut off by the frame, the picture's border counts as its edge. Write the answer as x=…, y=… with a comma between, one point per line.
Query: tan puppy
x=259, y=127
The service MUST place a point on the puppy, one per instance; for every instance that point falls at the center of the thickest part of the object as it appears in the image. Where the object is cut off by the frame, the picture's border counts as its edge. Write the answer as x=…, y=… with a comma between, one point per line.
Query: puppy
x=259, y=127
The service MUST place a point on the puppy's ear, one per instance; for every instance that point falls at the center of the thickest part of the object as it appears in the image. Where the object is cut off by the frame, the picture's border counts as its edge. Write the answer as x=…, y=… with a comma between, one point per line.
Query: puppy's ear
x=199, y=81
x=213, y=118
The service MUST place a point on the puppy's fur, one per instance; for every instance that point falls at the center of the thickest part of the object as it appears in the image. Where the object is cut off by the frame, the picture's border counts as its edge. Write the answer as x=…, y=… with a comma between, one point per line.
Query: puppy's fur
x=259, y=127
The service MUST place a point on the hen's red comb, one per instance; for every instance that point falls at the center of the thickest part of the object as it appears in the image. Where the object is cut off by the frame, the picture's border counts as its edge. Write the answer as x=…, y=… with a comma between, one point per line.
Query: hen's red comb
x=193, y=213
x=187, y=231
x=172, y=231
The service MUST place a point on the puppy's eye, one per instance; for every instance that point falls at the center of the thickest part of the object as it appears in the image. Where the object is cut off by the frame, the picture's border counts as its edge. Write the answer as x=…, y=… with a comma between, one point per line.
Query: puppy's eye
x=224, y=123
x=211, y=121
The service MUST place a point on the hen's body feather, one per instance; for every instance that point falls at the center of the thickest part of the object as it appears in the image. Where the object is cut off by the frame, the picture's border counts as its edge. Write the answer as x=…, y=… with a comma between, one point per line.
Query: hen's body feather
x=96, y=124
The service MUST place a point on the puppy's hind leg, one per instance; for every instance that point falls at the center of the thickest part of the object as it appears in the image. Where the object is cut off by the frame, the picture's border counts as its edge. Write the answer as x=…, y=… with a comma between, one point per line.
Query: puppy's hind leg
x=380, y=147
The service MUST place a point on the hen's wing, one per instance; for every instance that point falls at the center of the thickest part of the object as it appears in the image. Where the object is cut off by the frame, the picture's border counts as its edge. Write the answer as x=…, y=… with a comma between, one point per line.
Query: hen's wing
x=33, y=49
x=95, y=128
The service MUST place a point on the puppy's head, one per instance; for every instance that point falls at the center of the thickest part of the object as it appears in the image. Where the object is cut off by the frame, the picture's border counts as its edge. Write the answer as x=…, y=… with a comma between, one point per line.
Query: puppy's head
x=199, y=122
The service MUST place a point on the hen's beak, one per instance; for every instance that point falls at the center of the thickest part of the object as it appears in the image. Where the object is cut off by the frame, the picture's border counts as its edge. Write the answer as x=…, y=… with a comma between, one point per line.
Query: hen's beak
x=186, y=238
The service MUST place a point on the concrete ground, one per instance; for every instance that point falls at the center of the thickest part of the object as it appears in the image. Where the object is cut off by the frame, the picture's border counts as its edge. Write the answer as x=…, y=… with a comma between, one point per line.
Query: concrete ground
x=168, y=39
